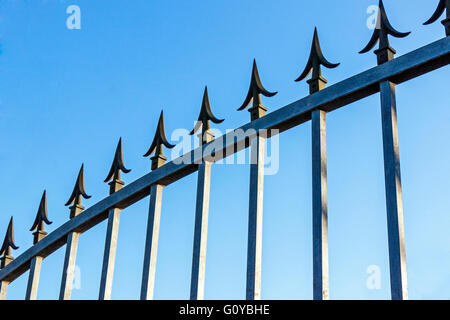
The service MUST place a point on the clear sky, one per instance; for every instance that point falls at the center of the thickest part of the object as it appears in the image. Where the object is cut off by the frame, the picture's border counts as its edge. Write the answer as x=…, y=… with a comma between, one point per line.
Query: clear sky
x=66, y=96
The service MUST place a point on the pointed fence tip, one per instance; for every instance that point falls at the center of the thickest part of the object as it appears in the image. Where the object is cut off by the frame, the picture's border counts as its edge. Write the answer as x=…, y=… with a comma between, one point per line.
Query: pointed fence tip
x=117, y=164
x=205, y=115
x=382, y=31
x=8, y=242
x=256, y=88
x=159, y=138
x=315, y=60
x=79, y=189
x=41, y=215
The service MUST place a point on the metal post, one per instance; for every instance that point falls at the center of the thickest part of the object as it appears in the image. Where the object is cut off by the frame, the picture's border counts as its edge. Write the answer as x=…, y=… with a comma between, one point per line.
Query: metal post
x=112, y=231
x=3, y=289
x=393, y=186
x=33, y=278
x=255, y=218
x=201, y=231
x=320, y=206
x=69, y=266
x=151, y=243
x=109, y=255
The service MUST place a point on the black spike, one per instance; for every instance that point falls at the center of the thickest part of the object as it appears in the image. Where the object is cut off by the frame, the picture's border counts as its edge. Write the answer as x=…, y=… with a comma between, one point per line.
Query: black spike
x=442, y=6
x=158, y=141
x=77, y=193
x=117, y=165
x=8, y=244
x=316, y=58
x=256, y=88
x=382, y=30
x=205, y=115
x=41, y=216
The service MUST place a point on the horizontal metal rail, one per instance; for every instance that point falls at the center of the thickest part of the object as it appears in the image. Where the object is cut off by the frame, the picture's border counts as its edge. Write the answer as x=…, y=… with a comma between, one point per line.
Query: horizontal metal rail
x=401, y=69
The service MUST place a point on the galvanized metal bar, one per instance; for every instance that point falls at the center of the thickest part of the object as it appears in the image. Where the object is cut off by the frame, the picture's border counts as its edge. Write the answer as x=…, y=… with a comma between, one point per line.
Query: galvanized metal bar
x=109, y=256
x=3, y=289
x=255, y=218
x=319, y=205
x=69, y=266
x=393, y=184
x=33, y=278
x=151, y=242
x=200, y=231
x=400, y=69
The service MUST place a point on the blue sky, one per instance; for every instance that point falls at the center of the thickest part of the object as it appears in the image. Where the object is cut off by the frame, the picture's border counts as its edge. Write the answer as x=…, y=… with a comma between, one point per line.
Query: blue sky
x=66, y=96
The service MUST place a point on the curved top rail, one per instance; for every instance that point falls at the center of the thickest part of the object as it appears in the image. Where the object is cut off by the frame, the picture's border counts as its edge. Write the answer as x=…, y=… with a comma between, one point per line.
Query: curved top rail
x=403, y=68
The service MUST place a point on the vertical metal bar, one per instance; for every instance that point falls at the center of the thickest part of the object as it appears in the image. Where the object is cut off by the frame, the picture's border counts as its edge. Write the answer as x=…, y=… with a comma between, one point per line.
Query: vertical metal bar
x=393, y=187
x=200, y=231
x=320, y=205
x=151, y=242
x=33, y=278
x=3, y=289
x=109, y=256
x=255, y=218
x=69, y=266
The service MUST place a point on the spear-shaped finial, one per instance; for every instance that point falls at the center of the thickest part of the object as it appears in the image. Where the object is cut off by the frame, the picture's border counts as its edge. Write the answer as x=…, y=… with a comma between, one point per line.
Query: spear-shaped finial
x=117, y=166
x=40, y=220
x=203, y=119
x=77, y=193
x=383, y=28
x=256, y=88
x=442, y=5
x=8, y=243
x=158, y=141
x=316, y=58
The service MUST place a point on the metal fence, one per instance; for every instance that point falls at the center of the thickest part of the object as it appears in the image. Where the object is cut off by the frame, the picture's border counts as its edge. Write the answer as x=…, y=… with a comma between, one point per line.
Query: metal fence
x=382, y=78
